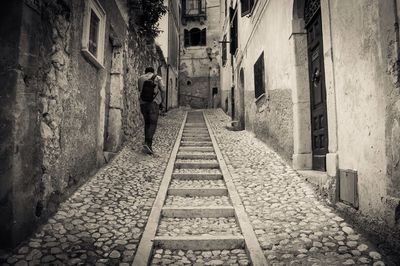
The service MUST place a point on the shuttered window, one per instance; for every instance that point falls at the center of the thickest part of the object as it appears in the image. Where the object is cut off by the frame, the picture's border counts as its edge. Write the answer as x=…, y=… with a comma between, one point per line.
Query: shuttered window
x=224, y=52
x=233, y=31
x=195, y=37
x=259, y=74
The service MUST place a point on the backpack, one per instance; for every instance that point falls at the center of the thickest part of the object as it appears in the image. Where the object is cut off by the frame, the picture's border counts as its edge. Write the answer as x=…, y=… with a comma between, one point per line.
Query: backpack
x=148, y=94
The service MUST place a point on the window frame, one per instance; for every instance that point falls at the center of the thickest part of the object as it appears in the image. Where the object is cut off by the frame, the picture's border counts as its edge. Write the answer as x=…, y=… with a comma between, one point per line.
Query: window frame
x=95, y=7
x=201, y=9
x=251, y=5
x=202, y=37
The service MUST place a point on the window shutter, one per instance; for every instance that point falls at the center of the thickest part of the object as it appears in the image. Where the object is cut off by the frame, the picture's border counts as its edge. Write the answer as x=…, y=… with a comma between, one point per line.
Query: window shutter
x=187, y=38
x=245, y=5
x=259, y=73
x=203, y=37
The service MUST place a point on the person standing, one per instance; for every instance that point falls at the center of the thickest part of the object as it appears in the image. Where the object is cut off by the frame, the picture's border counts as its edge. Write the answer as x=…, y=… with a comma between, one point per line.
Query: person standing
x=152, y=94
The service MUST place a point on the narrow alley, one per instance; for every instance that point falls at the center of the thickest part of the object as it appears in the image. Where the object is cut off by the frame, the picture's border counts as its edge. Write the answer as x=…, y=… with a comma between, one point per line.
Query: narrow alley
x=103, y=222
x=200, y=132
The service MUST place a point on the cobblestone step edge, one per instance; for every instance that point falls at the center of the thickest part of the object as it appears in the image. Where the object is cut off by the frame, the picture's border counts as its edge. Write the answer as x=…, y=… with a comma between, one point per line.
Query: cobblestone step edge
x=145, y=247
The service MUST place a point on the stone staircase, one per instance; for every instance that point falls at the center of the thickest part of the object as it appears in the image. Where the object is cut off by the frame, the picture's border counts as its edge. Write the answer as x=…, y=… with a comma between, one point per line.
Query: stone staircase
x=196, y=223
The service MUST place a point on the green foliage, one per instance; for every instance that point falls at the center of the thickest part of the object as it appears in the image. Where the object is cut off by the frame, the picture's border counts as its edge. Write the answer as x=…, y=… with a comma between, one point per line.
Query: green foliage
x=148, y=14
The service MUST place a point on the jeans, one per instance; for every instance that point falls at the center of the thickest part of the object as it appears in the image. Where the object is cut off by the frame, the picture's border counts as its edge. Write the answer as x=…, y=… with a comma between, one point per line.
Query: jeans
x=150, y=115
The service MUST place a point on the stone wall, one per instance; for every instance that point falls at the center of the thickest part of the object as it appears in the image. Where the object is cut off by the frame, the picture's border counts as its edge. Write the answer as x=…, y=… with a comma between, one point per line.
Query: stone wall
x=138, y=55
x=61, y=112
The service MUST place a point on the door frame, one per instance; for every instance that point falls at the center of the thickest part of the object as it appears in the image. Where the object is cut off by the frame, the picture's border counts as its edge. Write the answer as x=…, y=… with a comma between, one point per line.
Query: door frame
x=302, y=149
x=315, y=164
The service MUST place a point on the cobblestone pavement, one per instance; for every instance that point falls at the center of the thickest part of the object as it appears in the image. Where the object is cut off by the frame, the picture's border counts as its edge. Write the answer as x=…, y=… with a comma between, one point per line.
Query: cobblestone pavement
x=292, y=226
x=101, y=224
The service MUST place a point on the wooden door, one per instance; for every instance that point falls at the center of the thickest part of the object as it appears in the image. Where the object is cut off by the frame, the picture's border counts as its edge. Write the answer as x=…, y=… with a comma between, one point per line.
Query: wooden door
x=319, y=123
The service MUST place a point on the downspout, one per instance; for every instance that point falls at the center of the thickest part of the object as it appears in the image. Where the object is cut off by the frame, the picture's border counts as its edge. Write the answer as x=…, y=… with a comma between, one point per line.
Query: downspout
x=166, y=89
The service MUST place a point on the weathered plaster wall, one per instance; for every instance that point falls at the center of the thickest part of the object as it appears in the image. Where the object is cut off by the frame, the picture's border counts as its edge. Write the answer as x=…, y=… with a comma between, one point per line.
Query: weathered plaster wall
x=197, y=73
x=391, y=45
x=271, y=118
x=360, y=81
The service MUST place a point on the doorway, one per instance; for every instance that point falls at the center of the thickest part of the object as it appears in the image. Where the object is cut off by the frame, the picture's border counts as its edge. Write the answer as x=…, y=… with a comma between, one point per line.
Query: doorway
x=319, y=123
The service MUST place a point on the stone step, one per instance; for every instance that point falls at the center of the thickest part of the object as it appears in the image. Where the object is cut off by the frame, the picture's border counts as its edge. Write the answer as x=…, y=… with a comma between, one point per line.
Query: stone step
x=195, y=149
x=195, y=124
x=206, y=212
x=197, y=176
x=196, y=138
x=197, y=192
x=196, y=156
x=196, y=143
x=198, y=164
x=199, y=257
x=177, y=183
x=204, y=128
x=198, y=226
x=179, y=201
x=196, y=132
x=199, y=242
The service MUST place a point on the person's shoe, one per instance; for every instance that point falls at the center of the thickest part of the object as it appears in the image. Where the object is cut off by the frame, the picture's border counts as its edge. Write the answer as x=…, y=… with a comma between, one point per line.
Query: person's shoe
x=147, y=149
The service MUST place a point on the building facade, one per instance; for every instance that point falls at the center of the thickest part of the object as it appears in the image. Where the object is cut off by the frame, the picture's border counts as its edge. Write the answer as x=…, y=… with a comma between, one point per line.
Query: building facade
x=318, y=81
x=199, y=53
x=168, y=40
x=69, y=98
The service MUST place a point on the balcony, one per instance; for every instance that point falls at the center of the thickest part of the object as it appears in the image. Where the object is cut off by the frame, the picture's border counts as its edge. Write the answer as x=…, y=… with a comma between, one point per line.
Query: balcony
x=194, y=9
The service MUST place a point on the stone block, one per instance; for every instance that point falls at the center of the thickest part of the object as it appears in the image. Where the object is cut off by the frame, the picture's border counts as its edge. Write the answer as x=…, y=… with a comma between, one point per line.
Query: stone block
x=302, y=161
x=332, y=164
x=114, y=130
x=116, y=91
x=301, y=128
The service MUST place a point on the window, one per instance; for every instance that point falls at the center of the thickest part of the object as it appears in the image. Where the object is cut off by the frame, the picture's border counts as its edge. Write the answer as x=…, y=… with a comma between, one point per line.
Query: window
x=94, y=24
x=93, y=33
x=247, y=6
x=195, y=37
x=259, y=73
x=194, y=8
x=224, y=51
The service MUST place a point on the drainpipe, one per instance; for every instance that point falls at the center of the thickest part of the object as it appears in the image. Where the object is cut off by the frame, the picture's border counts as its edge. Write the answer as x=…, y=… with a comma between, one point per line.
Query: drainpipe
x=166, y=90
